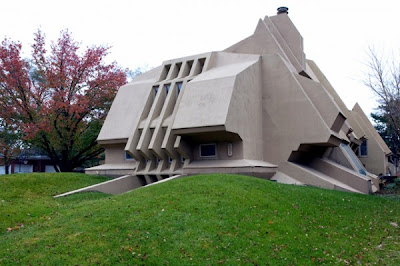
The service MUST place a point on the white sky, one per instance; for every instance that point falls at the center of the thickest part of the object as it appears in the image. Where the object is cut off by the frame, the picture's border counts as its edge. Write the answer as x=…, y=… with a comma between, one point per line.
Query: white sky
x=146, y=32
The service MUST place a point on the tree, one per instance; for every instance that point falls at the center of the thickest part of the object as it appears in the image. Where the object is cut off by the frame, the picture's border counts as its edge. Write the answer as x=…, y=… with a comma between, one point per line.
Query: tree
x=58, y=99
x=9, y=144
x=383, y=78
x=385, y=129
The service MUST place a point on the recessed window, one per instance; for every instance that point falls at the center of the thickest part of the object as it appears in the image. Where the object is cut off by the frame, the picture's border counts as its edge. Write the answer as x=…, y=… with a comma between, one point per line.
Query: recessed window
x=167, y=87
x=201, y=62
x=179, y=87
x=188, y=68
x=177, y=69
x=169, y=160
x=165, y=71
x=182, y=159
x=199, y=66
x=155, y=88
x=128, y=156
x=363, y=150
x=208, y=150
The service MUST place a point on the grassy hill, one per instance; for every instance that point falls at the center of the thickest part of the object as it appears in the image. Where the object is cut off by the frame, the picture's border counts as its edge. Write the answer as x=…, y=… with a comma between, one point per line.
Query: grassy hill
x=204, y=220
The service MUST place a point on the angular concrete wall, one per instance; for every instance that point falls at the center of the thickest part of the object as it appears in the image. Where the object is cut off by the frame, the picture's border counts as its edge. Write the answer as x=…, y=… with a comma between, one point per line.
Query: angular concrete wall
x=259, y=103
x=289, y=116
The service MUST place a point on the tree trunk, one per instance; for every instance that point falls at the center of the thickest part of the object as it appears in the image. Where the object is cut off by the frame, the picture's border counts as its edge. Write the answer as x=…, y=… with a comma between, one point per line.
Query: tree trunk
x=66, y=165
x=6, y=160
x=6, y=165
x=56, y=168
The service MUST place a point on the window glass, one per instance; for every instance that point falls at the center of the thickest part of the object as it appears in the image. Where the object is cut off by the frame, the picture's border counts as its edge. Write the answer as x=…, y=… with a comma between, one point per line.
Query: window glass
x=128, y=156
x=208, y=150
x=364, y=148
x=155, y=88
x=179, y=87
x=354, y=159
x=167, y=88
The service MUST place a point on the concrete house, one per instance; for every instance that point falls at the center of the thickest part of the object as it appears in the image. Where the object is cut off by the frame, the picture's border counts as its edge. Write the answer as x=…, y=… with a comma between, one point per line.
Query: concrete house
x=258, y=108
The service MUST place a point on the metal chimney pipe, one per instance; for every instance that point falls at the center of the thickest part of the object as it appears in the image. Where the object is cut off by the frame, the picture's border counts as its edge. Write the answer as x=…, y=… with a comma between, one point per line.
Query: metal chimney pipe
x=282, y=10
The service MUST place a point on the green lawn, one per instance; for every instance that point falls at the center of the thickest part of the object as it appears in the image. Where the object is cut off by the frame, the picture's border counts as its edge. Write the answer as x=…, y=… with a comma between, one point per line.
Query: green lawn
x=206, y=220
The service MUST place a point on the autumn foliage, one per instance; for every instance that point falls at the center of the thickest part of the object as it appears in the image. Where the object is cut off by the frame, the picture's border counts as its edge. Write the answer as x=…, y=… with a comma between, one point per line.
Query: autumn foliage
x=58, y=99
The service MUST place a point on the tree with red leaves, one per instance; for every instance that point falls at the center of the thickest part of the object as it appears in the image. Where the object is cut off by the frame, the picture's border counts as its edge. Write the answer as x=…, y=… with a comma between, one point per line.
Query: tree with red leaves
x=10, y=145
x=58, y=100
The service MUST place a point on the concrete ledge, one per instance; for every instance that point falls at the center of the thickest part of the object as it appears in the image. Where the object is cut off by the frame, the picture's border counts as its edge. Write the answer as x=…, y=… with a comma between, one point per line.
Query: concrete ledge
x=112, y=170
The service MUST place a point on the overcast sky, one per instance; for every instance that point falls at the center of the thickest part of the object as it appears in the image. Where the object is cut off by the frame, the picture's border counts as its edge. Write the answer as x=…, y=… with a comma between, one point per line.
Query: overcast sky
x=336, y=33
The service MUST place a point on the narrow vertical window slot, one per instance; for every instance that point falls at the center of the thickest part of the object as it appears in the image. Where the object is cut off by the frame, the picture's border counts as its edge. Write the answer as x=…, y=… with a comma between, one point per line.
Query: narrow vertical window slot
x=176, y=70
x=201, y=62
x=155, y=89
x=167, y=87
x=178, y=87
x=187, y=68
x=363, y=150
x=199, y=65
x=165, y=72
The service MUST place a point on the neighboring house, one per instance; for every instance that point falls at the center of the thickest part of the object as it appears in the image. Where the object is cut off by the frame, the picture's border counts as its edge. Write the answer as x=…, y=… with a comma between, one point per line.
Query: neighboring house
x=259, y=108
x=28, y=161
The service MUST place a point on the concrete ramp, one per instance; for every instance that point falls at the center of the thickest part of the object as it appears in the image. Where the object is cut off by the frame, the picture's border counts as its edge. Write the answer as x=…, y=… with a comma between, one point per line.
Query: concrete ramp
x=311, y=175
x=117, y=186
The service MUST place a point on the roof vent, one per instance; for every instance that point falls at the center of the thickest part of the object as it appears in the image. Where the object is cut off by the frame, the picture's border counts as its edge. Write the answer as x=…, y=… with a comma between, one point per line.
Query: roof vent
x=282, y=10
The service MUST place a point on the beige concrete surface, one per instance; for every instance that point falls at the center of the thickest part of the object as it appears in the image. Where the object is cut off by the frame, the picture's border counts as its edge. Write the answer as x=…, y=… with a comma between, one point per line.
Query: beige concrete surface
x=259, y=108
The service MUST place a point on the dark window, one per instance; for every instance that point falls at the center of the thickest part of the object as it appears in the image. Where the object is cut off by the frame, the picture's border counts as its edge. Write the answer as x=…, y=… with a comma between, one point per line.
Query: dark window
x=179, y=87
x=176, y=70
x=167, y=88
x=128, y=156
x=364, y=148
x=201, y=62
x=155, y=88
x=188, y=68
x=208, y=150
x=165, y=72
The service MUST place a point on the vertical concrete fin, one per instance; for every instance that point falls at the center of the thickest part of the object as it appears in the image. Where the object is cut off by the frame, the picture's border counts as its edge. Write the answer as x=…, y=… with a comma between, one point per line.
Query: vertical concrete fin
x=159, y=132
x=285, y=47
x=291, y=36
x=261, y=42
x=147, y=133
x=135, y=135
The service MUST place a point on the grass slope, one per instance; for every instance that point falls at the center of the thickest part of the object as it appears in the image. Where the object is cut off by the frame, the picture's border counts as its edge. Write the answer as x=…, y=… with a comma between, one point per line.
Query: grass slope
x=206, y=220
x=27, y=198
